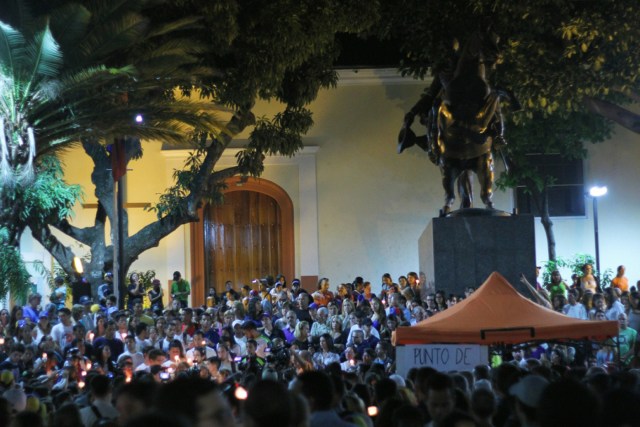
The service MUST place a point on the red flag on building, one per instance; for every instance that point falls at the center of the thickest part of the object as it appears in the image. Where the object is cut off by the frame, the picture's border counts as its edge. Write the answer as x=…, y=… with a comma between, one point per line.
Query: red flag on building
x=118, y=161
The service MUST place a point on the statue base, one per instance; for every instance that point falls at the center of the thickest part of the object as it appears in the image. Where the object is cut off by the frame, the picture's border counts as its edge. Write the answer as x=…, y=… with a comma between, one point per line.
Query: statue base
x=463, y=248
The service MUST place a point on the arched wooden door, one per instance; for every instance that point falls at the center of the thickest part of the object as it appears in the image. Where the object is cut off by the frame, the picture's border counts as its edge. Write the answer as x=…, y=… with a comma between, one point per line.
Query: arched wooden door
x=248, y=237
x=242, y=238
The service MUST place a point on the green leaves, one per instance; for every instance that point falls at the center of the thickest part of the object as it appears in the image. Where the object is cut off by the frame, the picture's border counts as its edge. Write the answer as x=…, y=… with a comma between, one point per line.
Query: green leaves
x=49, y=199
x=14, y=277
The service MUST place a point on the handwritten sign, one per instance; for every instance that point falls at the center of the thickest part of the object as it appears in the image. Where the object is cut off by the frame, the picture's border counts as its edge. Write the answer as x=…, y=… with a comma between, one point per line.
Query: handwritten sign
x=443, y=357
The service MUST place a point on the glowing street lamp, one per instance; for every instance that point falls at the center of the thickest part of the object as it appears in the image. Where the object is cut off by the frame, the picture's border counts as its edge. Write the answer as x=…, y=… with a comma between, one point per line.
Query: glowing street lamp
x=595, y=192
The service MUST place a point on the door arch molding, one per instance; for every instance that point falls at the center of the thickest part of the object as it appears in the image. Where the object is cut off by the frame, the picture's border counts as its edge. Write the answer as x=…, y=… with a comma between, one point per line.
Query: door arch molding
x=197, y=243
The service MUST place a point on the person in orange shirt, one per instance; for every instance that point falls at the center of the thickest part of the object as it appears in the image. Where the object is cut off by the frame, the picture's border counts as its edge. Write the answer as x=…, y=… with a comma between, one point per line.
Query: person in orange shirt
x=620, y=281
x=323, y=295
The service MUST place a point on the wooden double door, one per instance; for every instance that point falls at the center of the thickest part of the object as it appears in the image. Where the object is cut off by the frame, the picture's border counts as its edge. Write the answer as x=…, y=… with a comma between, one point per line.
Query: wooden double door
x=248, y=237
x=243, y=239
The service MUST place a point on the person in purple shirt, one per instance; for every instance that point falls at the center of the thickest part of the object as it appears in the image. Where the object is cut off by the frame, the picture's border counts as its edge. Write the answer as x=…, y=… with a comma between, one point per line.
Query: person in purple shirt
x=30, y=311
x=290, y=326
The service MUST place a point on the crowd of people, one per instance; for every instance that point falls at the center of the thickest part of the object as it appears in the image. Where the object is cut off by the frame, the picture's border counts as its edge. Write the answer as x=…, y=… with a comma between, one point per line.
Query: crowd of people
x=274, y=354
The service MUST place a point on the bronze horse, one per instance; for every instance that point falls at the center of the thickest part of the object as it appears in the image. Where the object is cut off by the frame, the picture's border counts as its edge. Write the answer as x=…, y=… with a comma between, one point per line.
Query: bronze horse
x=462, y=114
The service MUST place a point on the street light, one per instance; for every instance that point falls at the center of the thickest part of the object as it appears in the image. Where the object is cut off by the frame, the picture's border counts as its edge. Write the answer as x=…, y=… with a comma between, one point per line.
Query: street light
x=595, y=192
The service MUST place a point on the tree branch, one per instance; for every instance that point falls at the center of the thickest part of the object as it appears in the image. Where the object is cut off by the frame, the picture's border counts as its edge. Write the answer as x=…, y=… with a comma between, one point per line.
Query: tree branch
x=223, y=174
x=63, y=254
x=83, y=235
x=615, y=113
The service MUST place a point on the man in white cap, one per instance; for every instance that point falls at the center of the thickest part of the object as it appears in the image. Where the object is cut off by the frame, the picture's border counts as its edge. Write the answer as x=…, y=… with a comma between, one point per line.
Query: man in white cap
x=527, y=393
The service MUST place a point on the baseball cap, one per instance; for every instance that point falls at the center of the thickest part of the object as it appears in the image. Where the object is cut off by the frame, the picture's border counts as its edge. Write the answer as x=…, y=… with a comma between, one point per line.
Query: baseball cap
x=529, y=390
x=85, y=300
x=295, y=282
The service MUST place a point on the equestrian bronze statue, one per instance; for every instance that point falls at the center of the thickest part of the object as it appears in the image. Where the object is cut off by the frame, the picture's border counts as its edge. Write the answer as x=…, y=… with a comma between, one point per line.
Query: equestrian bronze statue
x=461, y=112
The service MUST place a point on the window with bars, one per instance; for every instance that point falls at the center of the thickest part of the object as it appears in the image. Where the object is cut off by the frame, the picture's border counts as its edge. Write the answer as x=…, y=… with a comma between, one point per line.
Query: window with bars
x=566, y=195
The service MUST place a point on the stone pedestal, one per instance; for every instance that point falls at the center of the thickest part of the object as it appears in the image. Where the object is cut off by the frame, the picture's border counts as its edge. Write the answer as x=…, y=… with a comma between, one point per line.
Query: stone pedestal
x=463, y=250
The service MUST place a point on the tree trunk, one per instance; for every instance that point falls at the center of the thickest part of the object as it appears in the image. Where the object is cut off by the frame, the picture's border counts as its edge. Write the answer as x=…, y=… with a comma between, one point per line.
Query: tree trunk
x=541, y=199
x=545, y=219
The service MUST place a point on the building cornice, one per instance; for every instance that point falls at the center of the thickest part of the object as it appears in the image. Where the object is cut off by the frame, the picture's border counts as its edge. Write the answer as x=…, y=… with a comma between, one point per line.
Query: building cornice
x=373, y=76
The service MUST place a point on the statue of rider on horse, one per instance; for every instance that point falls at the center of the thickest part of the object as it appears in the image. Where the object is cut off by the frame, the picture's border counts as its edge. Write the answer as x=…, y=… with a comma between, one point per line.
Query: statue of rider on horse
x=461, y=111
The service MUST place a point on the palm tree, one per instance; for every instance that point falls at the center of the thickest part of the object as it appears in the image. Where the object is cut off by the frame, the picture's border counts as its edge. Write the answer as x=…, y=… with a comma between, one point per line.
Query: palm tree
x=86, y=74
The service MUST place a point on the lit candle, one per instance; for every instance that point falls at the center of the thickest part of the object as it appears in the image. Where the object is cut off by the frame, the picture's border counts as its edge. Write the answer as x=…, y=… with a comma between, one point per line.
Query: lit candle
x=83, y=373
x=204, y=343
x=241, y=393
x=80, y=384
x=372, y=411
x=177, y=359
x=1, y=340
x=189, y=361
x=88, y=366
x=44, y=356
x=91, y=335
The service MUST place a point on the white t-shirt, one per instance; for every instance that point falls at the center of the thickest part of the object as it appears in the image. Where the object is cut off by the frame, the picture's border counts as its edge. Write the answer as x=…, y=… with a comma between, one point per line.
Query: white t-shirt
x=62, y=335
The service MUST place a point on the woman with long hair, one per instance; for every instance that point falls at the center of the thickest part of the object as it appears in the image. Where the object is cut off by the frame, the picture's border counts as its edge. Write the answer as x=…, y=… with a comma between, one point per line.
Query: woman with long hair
x=135, y=290
x=101, y=328
x=379, y=316
x=104, y=360
x=176, y=352
x=227, y=336
x=326, y=353
x=333, y=309
x=348, y=307
x=43, y=327
x=302, y=335
x=239, y=310
x=338, y=337
x=343, y=293
x=254, y=311
x=558, y=302
x=4, y=319
x=16, y=315
x=588, y=281
x=226, y=358
x=155, y=295
x=161, y=328
x=441, y=300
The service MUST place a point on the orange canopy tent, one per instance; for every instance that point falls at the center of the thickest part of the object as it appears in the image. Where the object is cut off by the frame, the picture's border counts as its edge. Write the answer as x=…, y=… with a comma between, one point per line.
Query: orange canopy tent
x=496, y=313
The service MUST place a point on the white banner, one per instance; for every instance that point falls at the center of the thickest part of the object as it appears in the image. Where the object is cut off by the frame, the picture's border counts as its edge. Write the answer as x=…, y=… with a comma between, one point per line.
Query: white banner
x=443, y=357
